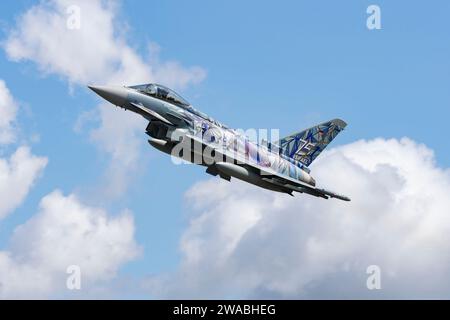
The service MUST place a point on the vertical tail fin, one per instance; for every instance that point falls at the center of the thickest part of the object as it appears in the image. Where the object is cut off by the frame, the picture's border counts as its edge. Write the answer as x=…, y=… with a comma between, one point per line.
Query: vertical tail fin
x=306, y=145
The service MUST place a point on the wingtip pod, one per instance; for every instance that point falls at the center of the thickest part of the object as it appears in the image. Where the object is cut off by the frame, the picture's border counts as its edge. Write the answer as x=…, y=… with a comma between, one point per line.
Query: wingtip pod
x=344, y=198
x=334, y=195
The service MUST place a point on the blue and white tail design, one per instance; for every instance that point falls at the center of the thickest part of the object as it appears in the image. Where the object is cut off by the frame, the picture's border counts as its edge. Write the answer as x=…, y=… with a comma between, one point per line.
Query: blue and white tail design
x=306, y=145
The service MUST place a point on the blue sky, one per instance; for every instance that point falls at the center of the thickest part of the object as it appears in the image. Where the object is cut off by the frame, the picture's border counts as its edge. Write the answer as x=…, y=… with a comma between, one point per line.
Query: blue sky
x=285, y=65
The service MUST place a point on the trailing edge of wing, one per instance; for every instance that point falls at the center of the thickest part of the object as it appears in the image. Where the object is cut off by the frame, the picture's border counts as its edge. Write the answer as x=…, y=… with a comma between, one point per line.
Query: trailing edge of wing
x=151, y=112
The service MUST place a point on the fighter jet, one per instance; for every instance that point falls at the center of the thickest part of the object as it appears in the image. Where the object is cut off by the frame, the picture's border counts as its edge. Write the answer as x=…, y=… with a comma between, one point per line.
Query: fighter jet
x=177, y=128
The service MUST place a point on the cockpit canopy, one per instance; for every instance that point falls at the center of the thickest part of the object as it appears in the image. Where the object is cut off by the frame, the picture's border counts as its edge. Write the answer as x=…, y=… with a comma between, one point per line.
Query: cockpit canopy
x=161, y=92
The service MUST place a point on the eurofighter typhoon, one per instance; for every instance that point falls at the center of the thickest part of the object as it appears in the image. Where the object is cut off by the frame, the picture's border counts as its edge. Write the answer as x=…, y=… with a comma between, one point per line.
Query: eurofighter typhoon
x=177, y=128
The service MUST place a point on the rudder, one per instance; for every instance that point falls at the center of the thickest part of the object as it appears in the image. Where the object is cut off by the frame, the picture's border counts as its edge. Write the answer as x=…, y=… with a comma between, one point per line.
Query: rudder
x=306, y=145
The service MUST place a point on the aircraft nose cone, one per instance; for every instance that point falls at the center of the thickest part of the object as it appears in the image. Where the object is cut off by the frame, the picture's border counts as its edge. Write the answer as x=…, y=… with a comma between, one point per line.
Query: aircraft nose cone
x=115, y=95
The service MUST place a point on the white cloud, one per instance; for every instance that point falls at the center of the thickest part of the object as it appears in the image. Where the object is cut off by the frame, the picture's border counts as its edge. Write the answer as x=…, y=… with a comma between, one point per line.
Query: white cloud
x=65, y=232
x=246, y=242
x=18, y=172
x=8, y=111
x=122, y=137
x=97, y=53
x=17, y=176
x=90, y=54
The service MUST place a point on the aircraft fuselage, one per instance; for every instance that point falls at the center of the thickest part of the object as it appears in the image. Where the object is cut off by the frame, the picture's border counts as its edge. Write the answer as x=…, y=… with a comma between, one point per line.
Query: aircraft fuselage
x=219, y=138
x=178, y=129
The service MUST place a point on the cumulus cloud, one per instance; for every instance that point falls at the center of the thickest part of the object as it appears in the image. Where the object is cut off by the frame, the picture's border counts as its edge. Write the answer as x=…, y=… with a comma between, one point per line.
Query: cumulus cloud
x=251, y=243
x=8, y=111
x=19, y=172
x=17, y=176
x=96, y=53
x=120, y=137
x=65, y=232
